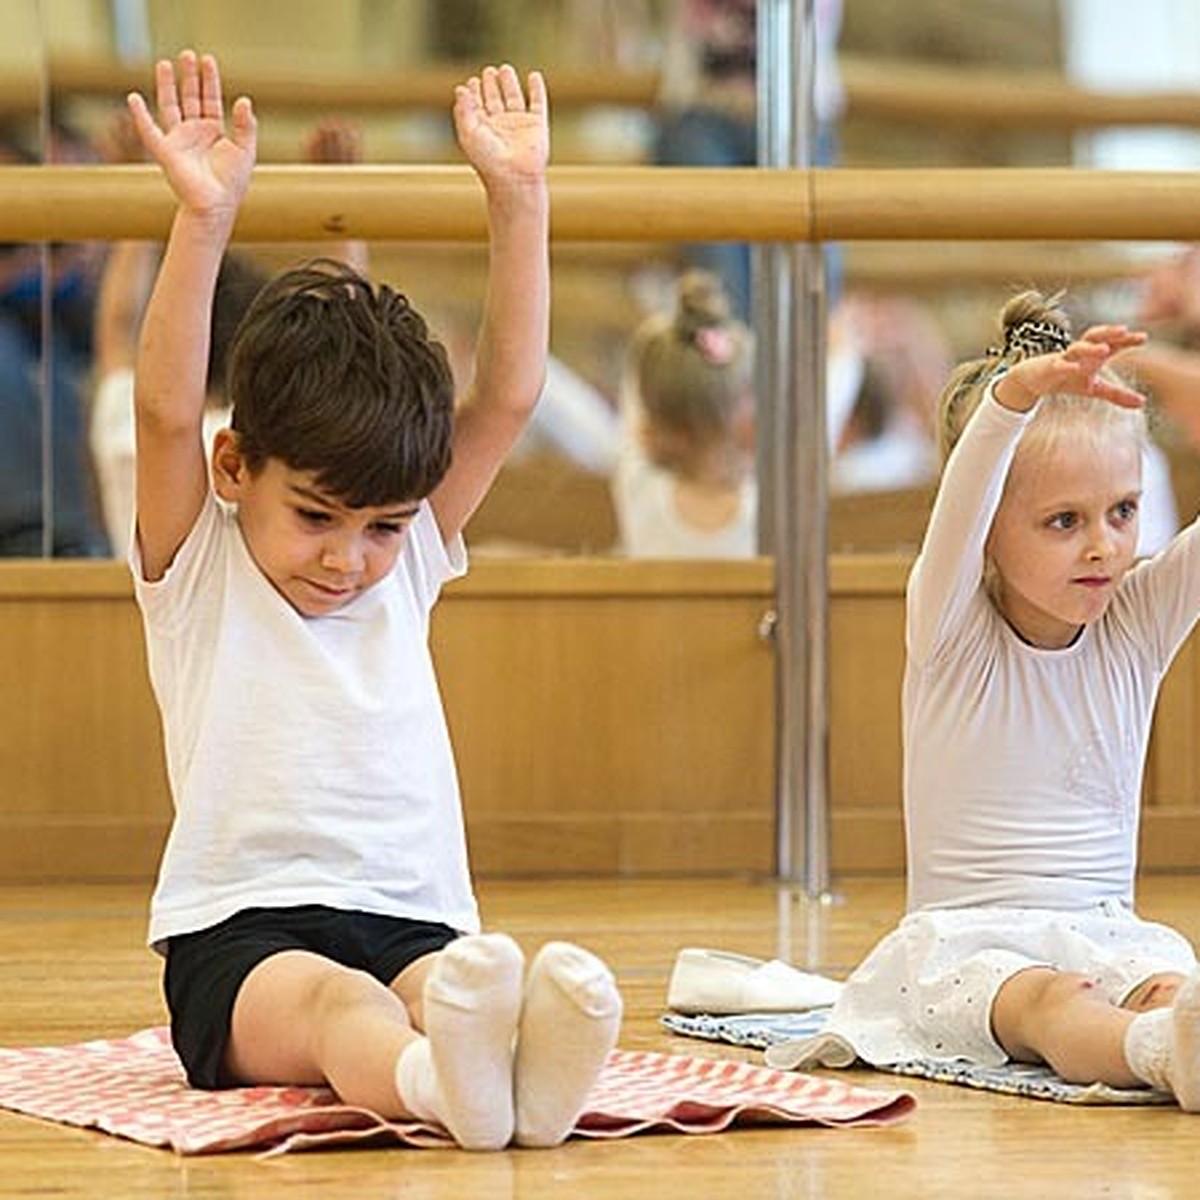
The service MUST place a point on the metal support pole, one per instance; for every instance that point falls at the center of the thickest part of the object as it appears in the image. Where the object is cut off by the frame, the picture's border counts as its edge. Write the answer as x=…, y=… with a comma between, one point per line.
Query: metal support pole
x=790, y=322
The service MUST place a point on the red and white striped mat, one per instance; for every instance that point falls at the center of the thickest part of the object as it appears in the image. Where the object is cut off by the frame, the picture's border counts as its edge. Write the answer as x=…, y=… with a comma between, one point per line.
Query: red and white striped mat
x=135, y=1088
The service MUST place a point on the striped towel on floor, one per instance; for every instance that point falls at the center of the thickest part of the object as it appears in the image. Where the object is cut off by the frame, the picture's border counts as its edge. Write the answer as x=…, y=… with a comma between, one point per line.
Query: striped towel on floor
x=135, y=1088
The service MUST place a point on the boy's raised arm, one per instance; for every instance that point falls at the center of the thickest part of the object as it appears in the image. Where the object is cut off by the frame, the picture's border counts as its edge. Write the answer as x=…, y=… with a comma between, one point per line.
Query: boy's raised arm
x=505, y=136
x=209, y=171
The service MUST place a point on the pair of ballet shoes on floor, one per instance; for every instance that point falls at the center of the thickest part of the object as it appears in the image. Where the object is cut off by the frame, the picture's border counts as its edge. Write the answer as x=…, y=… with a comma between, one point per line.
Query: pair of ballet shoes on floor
x=720, y=983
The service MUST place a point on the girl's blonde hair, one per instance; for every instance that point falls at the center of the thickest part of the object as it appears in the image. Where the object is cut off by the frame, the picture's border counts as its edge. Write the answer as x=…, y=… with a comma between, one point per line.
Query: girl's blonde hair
x=691, y=368
x=1031, y=324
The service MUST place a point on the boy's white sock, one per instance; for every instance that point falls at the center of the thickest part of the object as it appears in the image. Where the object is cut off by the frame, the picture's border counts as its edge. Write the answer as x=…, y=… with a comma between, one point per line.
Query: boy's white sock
x=1162, y=1047
x=461, y=1073
x=569, y=1023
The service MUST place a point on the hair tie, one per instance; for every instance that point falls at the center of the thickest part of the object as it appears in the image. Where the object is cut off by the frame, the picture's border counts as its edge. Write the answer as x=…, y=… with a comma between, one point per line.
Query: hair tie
x=1033, y=337
x=716, y=345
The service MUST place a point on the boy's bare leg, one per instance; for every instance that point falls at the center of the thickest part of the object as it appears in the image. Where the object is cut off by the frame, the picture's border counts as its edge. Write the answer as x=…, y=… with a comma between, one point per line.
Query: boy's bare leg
x=300, y=1018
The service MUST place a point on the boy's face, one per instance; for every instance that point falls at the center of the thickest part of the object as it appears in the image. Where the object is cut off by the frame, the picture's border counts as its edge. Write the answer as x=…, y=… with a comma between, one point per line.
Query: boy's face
x=1064, y=535
x=317, y=553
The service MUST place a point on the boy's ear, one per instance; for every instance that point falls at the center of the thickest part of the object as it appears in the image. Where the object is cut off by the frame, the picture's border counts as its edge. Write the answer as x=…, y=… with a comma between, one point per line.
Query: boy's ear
x=229, y=470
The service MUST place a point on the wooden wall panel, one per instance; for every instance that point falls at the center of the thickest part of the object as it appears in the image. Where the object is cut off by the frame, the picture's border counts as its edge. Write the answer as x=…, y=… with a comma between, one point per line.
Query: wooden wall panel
x=638, y=715
x=80, y=756
x=609, y=718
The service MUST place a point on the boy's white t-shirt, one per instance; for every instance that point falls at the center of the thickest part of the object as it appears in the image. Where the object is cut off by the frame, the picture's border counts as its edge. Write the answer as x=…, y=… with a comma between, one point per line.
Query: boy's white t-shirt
x=309, y=758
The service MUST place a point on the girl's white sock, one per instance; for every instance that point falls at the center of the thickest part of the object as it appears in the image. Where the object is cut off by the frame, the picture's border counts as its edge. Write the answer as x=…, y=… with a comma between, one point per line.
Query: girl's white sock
x=461, y=1074
x=1162, y=1047
x=569, y=1023
x=1185, y=1045
x=1148, y=1047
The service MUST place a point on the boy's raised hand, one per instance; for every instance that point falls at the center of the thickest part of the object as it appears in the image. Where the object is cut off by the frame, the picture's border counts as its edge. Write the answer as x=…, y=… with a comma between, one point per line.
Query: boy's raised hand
x=208, y=170
x=505, y=136
x=1077, y=370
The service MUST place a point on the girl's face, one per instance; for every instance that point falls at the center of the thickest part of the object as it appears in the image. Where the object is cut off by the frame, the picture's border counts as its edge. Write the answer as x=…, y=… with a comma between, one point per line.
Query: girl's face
x=1065, y=533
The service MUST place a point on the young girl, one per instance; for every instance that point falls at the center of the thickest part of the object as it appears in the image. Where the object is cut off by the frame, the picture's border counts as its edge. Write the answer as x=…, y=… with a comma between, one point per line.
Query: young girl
x=1036, y=646
x=683, y=485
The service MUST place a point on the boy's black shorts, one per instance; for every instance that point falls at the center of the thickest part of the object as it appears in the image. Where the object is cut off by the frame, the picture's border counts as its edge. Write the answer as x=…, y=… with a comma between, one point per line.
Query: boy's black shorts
x=205, y=970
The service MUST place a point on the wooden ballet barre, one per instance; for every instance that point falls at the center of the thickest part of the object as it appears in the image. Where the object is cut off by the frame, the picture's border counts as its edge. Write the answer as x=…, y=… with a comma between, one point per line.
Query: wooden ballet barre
x=901, y=267
x=316, y=203
x=424, y=87
x=20, y=93
x=1004, y=204
x=884, y=89
x=630, y=204
x=947, y=96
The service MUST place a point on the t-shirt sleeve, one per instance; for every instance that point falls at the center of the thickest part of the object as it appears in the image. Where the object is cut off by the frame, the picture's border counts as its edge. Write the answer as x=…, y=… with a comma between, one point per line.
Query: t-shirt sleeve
x=428, y=560
x=165, y=602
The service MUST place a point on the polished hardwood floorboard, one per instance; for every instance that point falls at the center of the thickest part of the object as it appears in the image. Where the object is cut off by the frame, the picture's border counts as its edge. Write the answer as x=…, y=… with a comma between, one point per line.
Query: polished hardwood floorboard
x=73, y=966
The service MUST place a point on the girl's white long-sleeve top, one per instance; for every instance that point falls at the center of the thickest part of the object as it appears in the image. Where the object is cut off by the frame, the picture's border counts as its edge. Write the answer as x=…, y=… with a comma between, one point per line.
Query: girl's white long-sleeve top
x=1023, y=766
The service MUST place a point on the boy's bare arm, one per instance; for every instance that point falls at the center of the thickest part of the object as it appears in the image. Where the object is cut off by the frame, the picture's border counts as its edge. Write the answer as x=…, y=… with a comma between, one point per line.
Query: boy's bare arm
x=505, y=136
x=208, y=171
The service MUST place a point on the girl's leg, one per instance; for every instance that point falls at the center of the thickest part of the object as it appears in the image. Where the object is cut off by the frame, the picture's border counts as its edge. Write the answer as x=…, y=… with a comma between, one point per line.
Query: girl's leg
x=1043, y=1015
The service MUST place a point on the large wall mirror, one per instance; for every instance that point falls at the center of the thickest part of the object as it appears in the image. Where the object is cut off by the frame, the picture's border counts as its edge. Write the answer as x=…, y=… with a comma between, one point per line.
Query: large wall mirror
x=661, y=90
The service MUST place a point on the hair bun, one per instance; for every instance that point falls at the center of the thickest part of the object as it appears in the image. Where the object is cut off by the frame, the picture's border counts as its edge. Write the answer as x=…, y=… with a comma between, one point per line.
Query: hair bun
x=701, y=302
x=1034, y=324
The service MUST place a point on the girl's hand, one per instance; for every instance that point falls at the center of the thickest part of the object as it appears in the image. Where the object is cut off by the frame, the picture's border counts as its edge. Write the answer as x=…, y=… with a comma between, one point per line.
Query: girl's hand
x=505, y=138
x=208, y=171
x=1073, y=371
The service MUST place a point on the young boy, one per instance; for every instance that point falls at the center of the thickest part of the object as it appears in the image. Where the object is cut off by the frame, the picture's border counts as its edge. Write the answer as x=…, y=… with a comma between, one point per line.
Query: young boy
x=314, y=903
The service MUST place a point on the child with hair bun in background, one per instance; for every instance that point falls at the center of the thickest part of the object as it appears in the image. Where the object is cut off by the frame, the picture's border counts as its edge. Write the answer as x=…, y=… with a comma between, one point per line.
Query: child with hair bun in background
x=684, y=485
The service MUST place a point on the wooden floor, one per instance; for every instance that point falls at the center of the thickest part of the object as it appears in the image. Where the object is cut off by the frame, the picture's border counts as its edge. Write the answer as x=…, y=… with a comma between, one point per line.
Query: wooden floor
x=73, y=966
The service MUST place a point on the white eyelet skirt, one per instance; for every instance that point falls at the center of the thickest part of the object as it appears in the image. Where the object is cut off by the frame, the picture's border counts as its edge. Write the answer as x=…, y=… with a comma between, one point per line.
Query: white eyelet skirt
x=926, y=990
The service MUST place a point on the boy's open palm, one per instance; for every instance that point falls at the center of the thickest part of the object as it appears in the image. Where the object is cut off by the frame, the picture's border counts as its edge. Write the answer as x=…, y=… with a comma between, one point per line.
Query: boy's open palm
x=208, y=170
x=504, y=136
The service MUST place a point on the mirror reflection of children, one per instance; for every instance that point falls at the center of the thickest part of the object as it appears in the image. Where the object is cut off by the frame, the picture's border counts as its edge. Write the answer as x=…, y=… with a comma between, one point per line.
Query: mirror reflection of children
x=1036, y=643
x=128, y=275
x=684, y=486
x=314, y=903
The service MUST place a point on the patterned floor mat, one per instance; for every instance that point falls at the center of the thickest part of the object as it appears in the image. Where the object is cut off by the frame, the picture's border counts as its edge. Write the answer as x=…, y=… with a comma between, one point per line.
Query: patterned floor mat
x=135, y=1088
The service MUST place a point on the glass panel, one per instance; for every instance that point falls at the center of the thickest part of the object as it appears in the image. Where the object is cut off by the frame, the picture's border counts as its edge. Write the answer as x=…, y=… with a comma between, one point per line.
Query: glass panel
x=896, y=323
x=23, y=423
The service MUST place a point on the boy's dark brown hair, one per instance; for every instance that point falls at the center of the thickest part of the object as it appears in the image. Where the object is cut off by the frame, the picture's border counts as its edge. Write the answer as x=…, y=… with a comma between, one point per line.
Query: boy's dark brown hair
x=333, y=375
